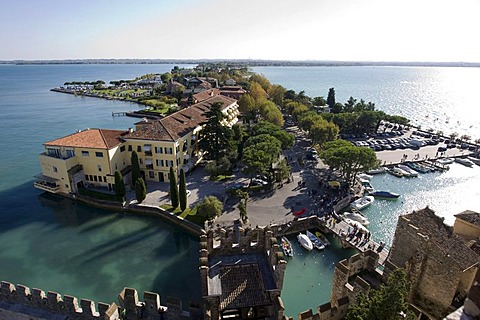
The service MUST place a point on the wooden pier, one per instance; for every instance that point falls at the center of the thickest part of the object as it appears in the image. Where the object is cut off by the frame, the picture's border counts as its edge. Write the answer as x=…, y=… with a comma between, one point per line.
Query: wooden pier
x=340, y=229
x=118, y=114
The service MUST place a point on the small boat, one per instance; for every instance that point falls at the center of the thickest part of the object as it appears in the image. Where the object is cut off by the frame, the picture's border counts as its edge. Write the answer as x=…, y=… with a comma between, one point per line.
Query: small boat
x=305, y=241
x=377, y=170
x=444, y=160
x=466, y=162
x=385, y=194
x=315, y=241
x=367, y=185
x=474, y=160
x=411, y=172
x=322, y=238
x=287, y=247
x=362, y=203
x=354, y=223
x=417, y=167
x=404, y=172
x=395, y=173
x=364, y=176
x=357, y=216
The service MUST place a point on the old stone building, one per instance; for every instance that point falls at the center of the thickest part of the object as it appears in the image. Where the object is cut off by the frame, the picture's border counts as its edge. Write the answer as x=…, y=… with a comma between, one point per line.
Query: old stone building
x=241, y=274
x=467, y=225
x=440, y=266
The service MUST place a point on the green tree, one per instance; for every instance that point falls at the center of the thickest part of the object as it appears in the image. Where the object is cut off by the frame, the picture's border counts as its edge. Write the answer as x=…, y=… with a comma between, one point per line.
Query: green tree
x=182, y=189
x=277, y=94
x=166, y=76
x=119, y=185
x=259, y=153
x=215, y=137
x=209, y=207
x=263, y=127
x=173, y=188
x=246, y=105
x=323, y=131
x=270, y=112
x=136, y=174
x=387, y=303
x=348, y=159
x=331, y=98
x=257, y=92
x=349, y=105
x=140, y=190
x=337, y=108
x=319, y=101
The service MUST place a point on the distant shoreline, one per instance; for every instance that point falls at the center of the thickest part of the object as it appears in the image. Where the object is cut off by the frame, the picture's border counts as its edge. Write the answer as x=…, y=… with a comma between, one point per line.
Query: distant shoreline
x=247, y=62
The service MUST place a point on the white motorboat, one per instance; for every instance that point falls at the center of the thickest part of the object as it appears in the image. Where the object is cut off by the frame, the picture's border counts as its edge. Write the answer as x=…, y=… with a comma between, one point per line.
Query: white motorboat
x=357, y=224
x=466, y=162
x=401, y=172
x=367, y=185
x=315, y=241
x=287, y=247
x=411, y=172
x=357, y=216
x=445, y=160
x=305, y=241
x=361, y=203
x=377, y=170
x=474, y=160
x=364, y=176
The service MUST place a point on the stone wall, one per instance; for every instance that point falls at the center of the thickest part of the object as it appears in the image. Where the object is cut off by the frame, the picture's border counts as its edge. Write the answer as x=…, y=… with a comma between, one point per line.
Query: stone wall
x=21, y=302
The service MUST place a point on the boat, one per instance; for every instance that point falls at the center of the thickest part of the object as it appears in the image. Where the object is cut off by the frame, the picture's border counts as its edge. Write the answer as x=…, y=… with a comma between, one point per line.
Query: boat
x=411, y=172
x=385, y=194
x=418, y=167
x=444, y=161
x=322, y=238
x=367, y=185
x=315, y=241
x=364, y=176
x=287, y=247
x=377, y=170
x=466, y=162
x=357, y=224
x=395, y=173
x=305, y=241
x=404, y=172
x=474, y=160
x=357, y=216
x=362, y=203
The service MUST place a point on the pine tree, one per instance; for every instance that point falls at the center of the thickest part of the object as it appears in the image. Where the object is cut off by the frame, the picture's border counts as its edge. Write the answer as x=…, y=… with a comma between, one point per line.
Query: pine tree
x=173, y=188
x=140, y=190
x=331, y=97
x=136, y=174
x=182, y=191
x=119, y=185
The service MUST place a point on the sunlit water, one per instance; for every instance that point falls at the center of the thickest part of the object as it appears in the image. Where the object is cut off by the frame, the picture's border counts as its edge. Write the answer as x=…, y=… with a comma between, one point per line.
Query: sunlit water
x=51, y=243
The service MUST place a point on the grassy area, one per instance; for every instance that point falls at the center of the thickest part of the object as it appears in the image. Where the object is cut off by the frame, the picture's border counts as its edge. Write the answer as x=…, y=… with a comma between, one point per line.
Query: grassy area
x=169, y=207
x=189, y=214
x=221, y=177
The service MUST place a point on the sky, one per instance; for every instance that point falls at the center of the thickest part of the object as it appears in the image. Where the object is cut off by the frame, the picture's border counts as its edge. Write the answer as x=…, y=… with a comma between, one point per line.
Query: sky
x=340, y=30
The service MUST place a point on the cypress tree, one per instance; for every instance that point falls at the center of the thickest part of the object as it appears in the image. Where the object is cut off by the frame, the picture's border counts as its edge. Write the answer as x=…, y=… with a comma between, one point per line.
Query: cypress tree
x=182, y=191
x=136, y=174
x=173, y=188
x=140, y=190
x=119, y=185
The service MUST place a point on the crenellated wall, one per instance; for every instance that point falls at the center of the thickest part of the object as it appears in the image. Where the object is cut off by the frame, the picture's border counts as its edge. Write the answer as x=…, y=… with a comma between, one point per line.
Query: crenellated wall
x=21, y=302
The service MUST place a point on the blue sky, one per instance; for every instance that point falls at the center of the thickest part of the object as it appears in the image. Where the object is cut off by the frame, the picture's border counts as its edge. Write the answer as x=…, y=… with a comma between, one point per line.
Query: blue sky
x=375, y=30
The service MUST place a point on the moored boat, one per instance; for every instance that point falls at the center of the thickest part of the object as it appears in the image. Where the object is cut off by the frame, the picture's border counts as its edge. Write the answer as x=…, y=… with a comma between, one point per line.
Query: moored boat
x=364, y=176
x=322, y=238
x=418, y=167
x=362, y=203
x=287, y=247
x=444, y=161
x=466, y=162
x=357, y=216
x=384, y=194
x=474, y=160
x=410, y=171
x=395, y=173
x=356, y=224
x=315, y=241
x=305, y=241
x=377, y=170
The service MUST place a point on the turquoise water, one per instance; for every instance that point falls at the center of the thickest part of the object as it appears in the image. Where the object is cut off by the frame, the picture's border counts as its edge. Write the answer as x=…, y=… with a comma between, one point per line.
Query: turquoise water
x=54, y=244
x=51, y=243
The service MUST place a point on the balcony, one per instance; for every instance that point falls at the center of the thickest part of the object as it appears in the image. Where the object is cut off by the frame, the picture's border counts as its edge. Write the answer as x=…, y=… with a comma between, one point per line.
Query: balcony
x=46, y=184
x=149, y=166
x=148, y=153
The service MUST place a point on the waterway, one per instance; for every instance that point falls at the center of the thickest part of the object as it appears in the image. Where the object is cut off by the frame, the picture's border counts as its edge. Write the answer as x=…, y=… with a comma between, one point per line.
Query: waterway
x=54, y=244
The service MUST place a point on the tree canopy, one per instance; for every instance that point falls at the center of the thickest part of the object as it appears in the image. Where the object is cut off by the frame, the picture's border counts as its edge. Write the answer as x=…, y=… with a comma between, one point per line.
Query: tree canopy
x=210, y=207
x=263, y=127
x=215, y=137
x=182, y=191
x=119, y=184
x=174, y=197
x=331, y=97
x=260, y=152
x=140, y=190
x=136, y=174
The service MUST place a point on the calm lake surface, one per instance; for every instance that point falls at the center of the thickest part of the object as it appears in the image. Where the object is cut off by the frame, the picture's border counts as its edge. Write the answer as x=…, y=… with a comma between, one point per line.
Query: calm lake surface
x=53, y=244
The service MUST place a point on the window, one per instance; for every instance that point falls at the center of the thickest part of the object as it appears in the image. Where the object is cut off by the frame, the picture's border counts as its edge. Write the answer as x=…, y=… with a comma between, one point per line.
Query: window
x=85, y=153
x=55, y=169
x=149, y=163
x=140, y=160
x=104, y=179
x=99, y=154
x=99, y=168
x=86, y=178
x=53, y=152
x=99, y=178
x=169, y=163
x=151, y=174
x=95, y=178
x=169, y=150
x=139, y=148
x=116, y=167
x=129, y=148
x=91, y=177
x=158, y=149
x=159, y=163
x=122, y=148
x=177, y=148
x=70, y=153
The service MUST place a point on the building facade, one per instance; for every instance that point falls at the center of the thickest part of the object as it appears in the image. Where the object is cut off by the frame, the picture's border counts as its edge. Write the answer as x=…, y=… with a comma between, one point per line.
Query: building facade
x=91, y=157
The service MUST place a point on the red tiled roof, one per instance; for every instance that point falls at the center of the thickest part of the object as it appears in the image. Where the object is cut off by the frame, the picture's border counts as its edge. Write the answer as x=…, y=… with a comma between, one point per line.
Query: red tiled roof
x=178, y=124
x=90, y=138
x=204, y=95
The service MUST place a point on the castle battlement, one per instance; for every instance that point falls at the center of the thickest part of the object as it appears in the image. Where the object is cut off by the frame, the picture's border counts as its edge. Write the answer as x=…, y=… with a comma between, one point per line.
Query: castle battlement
x=36, y=304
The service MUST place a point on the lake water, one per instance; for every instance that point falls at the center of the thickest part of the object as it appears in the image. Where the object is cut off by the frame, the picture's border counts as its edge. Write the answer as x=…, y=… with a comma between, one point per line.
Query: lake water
x=51, y=243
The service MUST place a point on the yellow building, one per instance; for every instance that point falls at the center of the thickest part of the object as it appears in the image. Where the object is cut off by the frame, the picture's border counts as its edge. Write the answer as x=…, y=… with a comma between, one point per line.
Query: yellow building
x=91, y=157
x=467, y=225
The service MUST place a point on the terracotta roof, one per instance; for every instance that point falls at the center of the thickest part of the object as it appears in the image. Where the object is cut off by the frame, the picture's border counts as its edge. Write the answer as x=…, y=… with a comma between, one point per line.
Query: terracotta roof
x=204, y=95
x=469, y=216
x=90, y=138
x=443, y=237
x=178, y=124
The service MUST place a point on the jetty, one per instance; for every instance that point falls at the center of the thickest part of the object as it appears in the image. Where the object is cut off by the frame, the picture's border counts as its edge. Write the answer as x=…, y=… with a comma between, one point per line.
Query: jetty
x=118, y=114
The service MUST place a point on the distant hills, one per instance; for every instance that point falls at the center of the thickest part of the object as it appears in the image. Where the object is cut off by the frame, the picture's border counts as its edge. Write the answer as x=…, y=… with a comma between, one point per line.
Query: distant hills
x=245, y=62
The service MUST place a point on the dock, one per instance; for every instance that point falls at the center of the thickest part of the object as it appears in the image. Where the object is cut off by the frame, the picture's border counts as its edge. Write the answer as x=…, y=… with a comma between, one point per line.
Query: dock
x=340, y=230
x=118, y=114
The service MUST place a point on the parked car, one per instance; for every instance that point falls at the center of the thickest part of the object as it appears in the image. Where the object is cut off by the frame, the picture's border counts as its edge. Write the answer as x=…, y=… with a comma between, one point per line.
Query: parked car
x=236, y=186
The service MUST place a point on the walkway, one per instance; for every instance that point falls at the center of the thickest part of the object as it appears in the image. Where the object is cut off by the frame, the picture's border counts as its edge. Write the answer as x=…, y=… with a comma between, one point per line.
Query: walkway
x=341, y=228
